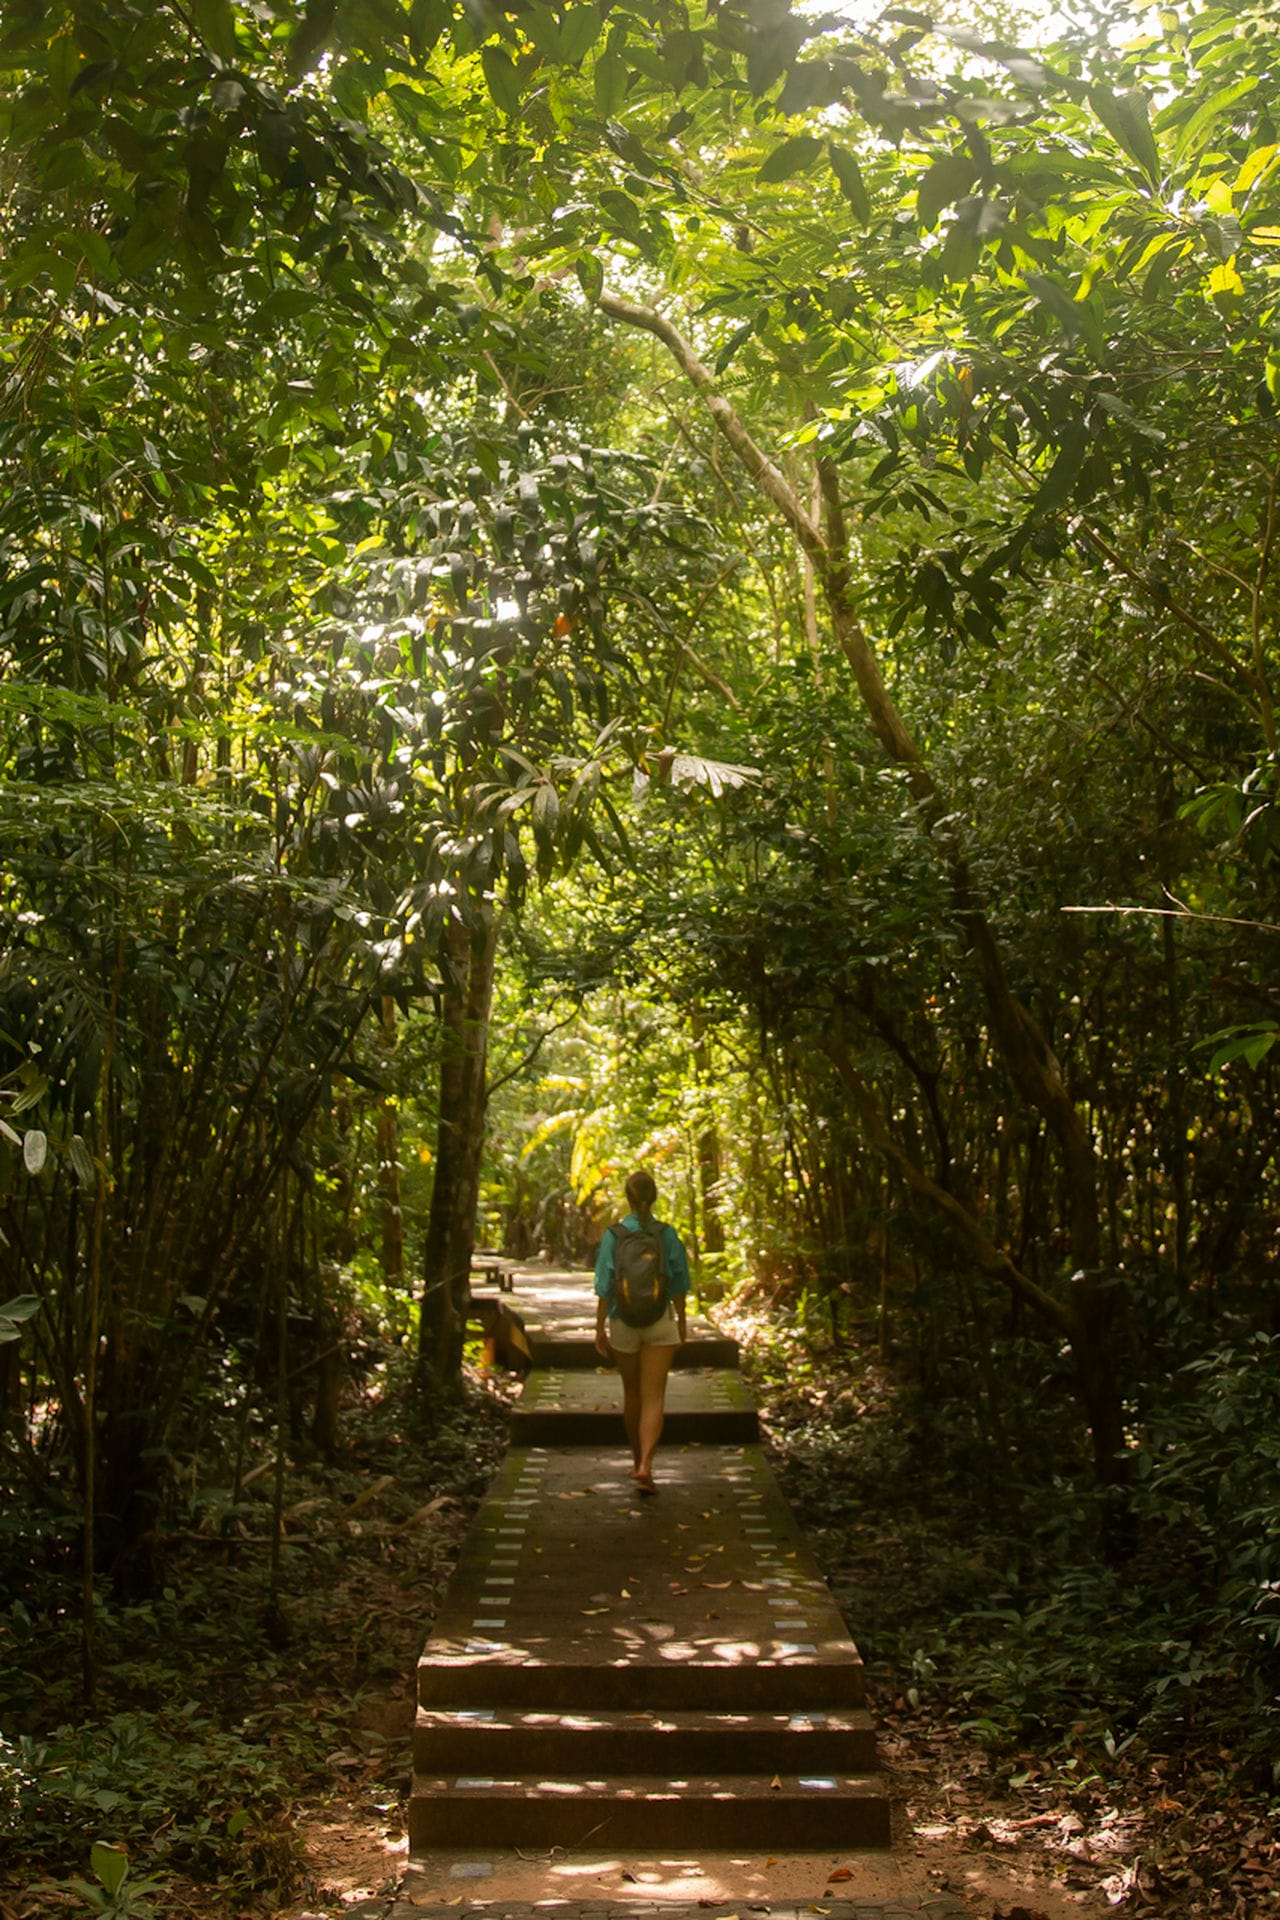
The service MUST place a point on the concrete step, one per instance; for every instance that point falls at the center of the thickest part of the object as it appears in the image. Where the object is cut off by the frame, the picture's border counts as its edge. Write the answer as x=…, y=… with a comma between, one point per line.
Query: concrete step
x=576, y=1349
x=573, y=1592
x=801, y=1684
x=494, y=1740
x=795, y=1812
x=560, y=1408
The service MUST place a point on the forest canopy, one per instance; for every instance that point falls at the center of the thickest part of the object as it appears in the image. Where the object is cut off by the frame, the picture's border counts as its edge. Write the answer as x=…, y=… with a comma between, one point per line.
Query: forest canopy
x=613, y=582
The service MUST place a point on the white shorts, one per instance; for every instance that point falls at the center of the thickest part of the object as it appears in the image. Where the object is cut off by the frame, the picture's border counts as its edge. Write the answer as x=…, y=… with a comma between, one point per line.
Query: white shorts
x=624, y=1339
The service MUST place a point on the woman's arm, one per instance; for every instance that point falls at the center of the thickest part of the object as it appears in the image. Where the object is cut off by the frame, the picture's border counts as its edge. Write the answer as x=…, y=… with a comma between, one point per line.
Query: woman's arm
x=678, y=1269
x=604, y=1292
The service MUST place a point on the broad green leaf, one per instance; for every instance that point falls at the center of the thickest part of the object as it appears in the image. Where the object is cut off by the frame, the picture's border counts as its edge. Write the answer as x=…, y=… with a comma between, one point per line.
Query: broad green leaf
x=590, y=275
x=946, y=181
x=35, y=1148
x=110, y=1865
x=852, y=184
x=1226, y=288
x=501, y=79
x=579, y=31
x=1191, y=138
x=543, y=29
x=609, y=83
x=82, y=1162
x=1127, y=119
x=215, y=22
x=621, y=210
x=1059, y=483
x=1251, y=1044
x=732, y=344
x=311, y=37
x=792, y=156
x=23, y=1306
x=1260, y=161
x=1077, y=319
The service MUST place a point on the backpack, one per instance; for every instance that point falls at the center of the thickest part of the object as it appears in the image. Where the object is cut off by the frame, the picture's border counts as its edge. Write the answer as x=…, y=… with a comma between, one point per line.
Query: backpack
x=639, y=1273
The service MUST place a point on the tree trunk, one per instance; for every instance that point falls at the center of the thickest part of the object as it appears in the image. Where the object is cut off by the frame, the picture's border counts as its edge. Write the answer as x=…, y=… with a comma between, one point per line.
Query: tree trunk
x=711, y=1239
x=469, y=957
x=388, y=1141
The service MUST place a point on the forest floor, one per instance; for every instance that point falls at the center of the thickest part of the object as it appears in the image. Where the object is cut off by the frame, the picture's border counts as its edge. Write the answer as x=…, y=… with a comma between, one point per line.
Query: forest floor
x=274, y=1752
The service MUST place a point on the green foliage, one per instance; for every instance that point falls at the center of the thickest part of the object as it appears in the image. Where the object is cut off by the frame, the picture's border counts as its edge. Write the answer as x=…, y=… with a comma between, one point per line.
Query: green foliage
x=997, y=1603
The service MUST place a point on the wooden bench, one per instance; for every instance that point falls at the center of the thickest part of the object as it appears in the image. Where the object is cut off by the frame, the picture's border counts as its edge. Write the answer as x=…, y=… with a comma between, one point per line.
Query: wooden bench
x=492, y=1268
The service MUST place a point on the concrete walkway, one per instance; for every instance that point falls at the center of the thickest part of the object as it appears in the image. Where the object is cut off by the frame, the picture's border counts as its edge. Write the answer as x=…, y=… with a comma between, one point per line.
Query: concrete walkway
x=614, y=1672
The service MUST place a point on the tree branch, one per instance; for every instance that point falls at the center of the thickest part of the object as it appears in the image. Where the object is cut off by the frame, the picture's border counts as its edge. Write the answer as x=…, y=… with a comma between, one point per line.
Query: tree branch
x=754, y=459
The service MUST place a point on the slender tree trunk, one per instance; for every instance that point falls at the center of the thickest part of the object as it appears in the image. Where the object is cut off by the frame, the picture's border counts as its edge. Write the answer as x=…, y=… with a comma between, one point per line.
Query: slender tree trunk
x=711, y=1239
x=388, y=1142
x=470, y=955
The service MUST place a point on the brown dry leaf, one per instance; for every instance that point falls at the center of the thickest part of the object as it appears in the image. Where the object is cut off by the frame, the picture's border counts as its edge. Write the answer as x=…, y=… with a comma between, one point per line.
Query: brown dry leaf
x=716, y=1586
x=711, y=1616
x=676, y=1589
x=586, y=1611
x=626, y=1593
x=775, y=1785
x=772, y=1861
x=839, y=1873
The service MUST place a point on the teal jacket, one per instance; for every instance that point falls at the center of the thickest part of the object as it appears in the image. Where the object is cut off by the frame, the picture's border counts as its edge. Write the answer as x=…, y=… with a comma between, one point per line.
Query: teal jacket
x=673, y=1253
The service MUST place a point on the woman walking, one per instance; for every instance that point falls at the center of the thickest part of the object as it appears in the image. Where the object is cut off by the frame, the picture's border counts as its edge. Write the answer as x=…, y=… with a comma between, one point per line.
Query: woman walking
x=642, y=1283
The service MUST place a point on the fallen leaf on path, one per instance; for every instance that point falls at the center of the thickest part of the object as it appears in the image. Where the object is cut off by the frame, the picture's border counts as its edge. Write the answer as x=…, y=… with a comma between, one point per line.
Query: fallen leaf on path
x=775, y=1785
x=630, y=1876
x=716, y=1586
x=590, y=1610
x=839, y=1873
x=676, y=1589
x=772, y=1861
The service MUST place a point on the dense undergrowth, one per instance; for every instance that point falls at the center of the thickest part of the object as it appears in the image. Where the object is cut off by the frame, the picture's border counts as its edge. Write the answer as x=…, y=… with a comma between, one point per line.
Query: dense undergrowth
x=992, y=1593
x=218, y=1709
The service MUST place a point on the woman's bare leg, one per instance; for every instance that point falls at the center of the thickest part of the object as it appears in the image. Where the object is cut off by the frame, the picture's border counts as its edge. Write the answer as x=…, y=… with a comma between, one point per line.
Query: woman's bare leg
x=655, y=1365
x=629, y=1367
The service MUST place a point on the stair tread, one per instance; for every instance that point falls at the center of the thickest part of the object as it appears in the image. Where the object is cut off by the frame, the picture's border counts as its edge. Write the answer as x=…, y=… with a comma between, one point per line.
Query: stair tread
x=653, y=1786
x=675, y=1720
x=693, y=1390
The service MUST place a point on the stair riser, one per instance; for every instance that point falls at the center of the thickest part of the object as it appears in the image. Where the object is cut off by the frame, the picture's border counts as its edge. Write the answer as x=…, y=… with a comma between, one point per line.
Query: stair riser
x=677, y=1754
x=576, y=1354
x=745, y=1689
x=731, y=1429
x=579, y=1820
